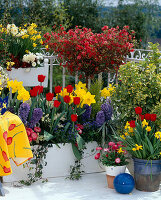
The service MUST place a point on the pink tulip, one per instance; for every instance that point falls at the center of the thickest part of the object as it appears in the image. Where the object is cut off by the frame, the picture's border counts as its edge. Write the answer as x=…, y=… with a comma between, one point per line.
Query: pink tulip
x=98, y=148
x=97, y=156
x=117, y=160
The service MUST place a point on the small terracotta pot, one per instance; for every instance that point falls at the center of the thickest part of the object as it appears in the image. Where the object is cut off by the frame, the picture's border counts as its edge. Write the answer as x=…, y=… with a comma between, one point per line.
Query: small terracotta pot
x=110, y=180
x=111, y=172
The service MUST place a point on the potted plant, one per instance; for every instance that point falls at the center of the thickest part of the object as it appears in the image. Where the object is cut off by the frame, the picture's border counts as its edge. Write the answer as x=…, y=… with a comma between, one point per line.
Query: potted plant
x=143, y=141
x=20, y=53
x=114, y=160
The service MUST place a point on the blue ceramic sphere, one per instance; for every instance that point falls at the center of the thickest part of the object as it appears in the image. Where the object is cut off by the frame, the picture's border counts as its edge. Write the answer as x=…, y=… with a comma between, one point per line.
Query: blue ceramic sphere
x=124, y=183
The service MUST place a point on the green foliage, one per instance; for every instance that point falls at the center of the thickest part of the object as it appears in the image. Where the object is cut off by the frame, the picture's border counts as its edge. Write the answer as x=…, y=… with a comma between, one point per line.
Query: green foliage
x=141, y=143
x=85, y=13
x=95, y=90
x=36, y=164
x=140, y=85
x=44, y=13
x=141, y=15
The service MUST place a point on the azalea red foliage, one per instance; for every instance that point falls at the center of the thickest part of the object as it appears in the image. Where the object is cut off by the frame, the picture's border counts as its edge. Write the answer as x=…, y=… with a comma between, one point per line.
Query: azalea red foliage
x=88, y=52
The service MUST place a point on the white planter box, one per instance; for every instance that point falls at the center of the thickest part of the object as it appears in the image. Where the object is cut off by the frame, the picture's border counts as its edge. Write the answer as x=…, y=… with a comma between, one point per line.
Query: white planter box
x=59, y=161
x=115, y=170
x=29, y=75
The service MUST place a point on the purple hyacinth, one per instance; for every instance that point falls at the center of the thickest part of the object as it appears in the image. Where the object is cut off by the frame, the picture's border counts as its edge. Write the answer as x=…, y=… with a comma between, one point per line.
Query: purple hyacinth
x=107, y=109
x=86, y=115
x=36, y=116
x=24, y=112
x=100, y=118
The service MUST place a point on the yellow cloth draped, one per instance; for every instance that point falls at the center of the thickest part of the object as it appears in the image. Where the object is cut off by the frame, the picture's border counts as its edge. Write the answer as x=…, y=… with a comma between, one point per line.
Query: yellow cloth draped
x=14, y=143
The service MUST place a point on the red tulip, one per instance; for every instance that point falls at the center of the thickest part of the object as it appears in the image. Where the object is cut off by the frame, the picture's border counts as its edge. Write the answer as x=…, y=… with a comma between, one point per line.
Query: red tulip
x=141, y=117
x=69, y=88
x=132, y=123
x=147, y=116
x=58, y=89
x=153, y=117
x=138, y=110
x=76, y=100
x=57, y=103
x=49, y=96
x=74, y=118
x=67, y=99
x=41, y=78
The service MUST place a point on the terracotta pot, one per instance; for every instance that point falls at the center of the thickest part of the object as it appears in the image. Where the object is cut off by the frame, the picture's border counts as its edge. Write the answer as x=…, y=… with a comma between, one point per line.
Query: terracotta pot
x=110, y=180
x=111, y=172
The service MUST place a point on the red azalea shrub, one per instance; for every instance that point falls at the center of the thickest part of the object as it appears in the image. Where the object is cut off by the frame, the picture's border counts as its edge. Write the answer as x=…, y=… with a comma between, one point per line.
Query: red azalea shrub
x=88, y=52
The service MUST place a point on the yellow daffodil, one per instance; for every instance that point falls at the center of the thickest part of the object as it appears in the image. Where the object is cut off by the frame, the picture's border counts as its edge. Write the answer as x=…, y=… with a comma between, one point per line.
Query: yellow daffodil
x=38, y=36
x=27, y=51
x=127, y=125
x=133, y=149
x=46, y=46
x=23, y=95
x=120, y=150
x=148, y=128
x=64, y=93
x=126, y=134
x=14, y=85
x=34, y=45
x=105, y=93
x=144, y=123
x=123, y=137
x=81, y=85
x=88, y=99
x=131, y=130
x=139, y=147
x=160, y=153
x=158, y=135
x=25, y=36
x=41, y=42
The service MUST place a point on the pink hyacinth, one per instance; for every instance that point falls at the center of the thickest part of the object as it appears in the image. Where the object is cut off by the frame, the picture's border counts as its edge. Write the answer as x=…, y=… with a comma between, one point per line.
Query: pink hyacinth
x=111, y=143
x=117, y=160
x=97, y=156
x=98, y=148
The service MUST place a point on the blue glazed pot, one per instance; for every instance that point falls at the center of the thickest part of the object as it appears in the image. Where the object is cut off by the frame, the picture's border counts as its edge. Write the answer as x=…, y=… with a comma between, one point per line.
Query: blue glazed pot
x=147, y=174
